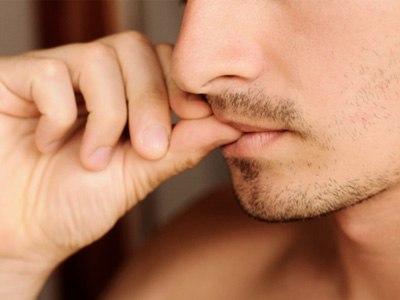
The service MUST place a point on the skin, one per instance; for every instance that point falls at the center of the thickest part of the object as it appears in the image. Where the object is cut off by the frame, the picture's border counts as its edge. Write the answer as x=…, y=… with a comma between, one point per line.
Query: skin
x=316, y=69
x=313, y=69
x=327, y=72
x=60, y=106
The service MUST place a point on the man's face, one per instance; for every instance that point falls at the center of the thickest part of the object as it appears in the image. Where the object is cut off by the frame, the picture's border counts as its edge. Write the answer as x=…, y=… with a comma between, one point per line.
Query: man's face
x=316, y=84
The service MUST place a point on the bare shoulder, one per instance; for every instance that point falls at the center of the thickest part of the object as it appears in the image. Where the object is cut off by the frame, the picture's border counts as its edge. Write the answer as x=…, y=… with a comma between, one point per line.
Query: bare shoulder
x=213, y=240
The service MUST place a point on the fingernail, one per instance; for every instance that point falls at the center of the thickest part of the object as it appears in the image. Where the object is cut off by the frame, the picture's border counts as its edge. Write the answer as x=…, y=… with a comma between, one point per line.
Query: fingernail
x=100, y=157
x=155, y=138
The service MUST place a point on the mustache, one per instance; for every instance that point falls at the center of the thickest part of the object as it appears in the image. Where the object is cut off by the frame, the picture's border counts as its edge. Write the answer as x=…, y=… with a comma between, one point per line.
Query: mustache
x=254, y=105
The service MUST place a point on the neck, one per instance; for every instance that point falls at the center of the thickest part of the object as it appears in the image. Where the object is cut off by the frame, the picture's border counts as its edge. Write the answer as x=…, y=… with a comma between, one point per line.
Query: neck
x=368, y=239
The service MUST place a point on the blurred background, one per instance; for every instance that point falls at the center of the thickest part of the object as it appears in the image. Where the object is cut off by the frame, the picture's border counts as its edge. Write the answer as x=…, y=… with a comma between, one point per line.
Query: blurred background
x=32, y=24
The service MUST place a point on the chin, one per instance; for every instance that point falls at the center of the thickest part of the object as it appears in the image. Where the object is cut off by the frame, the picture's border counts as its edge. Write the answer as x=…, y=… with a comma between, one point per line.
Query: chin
x=290, y=202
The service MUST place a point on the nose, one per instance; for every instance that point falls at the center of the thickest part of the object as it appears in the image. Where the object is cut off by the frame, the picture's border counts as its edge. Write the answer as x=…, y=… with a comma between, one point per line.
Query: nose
x=217, y=45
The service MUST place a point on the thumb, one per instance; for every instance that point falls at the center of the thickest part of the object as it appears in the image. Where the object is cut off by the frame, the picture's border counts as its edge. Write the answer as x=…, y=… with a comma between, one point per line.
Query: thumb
x=191, y=140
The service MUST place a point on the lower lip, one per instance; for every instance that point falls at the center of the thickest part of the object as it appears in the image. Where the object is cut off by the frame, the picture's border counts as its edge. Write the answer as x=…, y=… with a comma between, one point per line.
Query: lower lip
x=253, y=144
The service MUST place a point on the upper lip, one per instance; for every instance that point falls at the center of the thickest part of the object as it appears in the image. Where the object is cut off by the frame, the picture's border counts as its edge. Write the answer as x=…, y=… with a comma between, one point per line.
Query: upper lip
x=246, y=128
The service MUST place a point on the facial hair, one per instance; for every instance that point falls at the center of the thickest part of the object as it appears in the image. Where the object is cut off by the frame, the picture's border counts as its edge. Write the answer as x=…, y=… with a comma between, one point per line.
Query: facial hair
x=255, y=179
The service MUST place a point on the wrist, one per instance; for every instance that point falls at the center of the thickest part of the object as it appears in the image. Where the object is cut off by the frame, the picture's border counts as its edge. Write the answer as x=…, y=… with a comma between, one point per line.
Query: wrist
x=22, y=280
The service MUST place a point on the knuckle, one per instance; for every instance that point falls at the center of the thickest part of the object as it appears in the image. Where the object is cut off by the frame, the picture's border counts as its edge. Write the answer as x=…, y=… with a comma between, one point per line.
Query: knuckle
x=97, y=51
x=132, y=39
x=135, y=36
x=185, y=164
x=190, y=163
x=50, y=69
x=63, y=119
x=65, y=122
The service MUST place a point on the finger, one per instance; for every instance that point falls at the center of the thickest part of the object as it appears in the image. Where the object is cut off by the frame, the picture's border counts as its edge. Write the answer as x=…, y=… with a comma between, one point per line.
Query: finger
x=102, y=87
x=185, y=105
x=96, y=74
x=149, y=114
x=47, y=83
x=191, y=140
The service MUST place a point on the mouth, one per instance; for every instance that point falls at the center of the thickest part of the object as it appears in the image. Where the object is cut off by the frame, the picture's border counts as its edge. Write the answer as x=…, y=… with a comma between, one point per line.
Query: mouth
x=255, y=141
x=245, y=128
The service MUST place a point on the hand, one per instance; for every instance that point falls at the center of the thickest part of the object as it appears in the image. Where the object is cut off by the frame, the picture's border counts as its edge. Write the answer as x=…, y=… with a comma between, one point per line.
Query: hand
x=68, y=171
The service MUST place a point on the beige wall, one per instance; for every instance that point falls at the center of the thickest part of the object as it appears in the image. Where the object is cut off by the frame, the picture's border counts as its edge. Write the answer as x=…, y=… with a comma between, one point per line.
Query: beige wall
x=17, y=26
x=159, y=19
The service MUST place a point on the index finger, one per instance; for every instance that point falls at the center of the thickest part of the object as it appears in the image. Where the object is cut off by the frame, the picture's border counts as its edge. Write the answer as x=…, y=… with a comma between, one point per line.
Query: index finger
x=185, y=105
x=149, y=113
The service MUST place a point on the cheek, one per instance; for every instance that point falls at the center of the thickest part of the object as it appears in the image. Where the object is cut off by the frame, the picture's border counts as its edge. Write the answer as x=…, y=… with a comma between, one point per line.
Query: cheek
x=358, y=97
x=334, y=56
x=371, y=101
